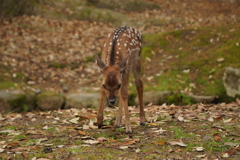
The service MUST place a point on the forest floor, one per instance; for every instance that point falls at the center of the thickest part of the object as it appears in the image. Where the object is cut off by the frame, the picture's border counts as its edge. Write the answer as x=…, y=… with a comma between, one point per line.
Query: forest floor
x=172, y=132
x=55, y=51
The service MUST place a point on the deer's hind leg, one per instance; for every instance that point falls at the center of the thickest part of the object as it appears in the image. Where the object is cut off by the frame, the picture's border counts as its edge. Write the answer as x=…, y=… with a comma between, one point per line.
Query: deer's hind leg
x=136, y=69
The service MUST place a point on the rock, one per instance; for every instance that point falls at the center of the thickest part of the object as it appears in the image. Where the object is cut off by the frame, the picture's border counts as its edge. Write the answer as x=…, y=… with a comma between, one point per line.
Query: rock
x=16, y=100
x=81, y=100
x=50, y=101
x=203, y=99
x=231, y=81
x=4, y=105
x=155, y=97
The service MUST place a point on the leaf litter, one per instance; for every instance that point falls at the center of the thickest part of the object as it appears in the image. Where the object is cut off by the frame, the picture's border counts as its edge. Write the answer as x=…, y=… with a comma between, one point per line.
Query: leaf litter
x=171, y=134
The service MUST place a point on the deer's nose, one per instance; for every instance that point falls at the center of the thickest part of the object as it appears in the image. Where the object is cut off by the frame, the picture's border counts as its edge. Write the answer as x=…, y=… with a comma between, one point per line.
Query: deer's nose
x=112, y=100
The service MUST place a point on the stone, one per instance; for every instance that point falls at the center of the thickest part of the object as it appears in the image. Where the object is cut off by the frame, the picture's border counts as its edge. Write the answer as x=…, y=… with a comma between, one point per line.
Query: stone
x=16, y=100
x=155, y=97
x=82, y=100
x=203, y=99
x=231, y=81
x=50, y=101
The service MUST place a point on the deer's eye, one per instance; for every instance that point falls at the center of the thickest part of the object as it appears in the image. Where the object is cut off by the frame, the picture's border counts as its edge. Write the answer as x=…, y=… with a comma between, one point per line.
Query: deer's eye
x=119, y=86
x=104, y=86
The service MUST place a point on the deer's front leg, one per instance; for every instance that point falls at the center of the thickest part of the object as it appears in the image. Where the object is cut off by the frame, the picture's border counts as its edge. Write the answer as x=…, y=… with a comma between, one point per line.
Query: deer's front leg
x=127, y=116
x=100, y=109
x=119, y=114
x=124, y=99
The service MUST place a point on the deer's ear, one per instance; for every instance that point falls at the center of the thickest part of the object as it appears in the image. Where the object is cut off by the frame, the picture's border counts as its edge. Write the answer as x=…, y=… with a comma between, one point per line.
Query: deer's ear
x=100, y=63
x=123, y=64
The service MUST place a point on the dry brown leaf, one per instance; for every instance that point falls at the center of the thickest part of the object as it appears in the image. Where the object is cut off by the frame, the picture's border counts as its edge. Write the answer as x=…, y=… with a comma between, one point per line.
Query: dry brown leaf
x=20, y=149
x=90, y=116
x=112, y=140
x=25, y=155
x=217, y=137
x=177, y=142
x=161, y=143
x=82, y=132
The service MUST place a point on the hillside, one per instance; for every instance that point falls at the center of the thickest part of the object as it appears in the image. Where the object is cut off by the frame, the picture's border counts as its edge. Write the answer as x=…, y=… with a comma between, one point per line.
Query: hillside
x=186, y=45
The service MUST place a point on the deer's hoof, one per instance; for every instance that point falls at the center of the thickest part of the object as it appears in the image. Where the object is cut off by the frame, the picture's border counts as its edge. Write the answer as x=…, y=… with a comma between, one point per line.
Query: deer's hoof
x=129, y=133
x=142, y=124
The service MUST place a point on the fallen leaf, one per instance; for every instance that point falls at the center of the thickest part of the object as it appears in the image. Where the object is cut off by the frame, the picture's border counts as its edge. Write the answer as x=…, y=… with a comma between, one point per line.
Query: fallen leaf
x=199, y=149
x=60, y=146
x=82, y=132
x=91, y=142
x=153, y=124
x=45, y=127
x=111, y=140
x=74, y=120
x=227, y=120
x=201, y=156
x=137, y=150
x=123, y=147
x=231, y=144
x=217, y=137
x=159, y=131
x=102, y=139
x=86, y=127
x=20, y=149
x=225, y=155
x=90, y=116
x=177, y=142
x=1, y=150
x=24, y=154
x=127, y=143
x=161, y=143
x=180, y=118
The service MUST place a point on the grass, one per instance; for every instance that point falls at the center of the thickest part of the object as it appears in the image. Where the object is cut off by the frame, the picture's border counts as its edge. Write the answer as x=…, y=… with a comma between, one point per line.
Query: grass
x=127, y=6
x=193, y=50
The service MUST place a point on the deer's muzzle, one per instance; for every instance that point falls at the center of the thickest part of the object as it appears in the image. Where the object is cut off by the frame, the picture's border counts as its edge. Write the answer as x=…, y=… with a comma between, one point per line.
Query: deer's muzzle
x=112, y=100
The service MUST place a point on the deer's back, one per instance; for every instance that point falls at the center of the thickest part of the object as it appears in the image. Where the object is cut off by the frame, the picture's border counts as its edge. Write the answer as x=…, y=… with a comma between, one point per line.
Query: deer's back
x=123, y=42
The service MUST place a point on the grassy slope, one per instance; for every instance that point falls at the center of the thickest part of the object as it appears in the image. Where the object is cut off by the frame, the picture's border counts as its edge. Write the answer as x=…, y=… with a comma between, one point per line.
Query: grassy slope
x=196, y=51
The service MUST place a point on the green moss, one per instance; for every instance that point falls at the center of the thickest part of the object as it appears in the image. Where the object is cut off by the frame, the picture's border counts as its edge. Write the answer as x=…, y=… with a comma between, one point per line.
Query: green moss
x=11, y=8
x=90, y=59
x=127, y=6
x=10, y=127
x=20, y=103
x=131, y=98
x=181, y=99
x=48, y=94
x=197, y=51
x=56, y=65
x=7, y=84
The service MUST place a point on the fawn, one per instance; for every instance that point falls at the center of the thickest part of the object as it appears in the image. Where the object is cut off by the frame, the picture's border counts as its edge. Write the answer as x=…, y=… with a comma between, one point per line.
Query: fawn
x=121, y=55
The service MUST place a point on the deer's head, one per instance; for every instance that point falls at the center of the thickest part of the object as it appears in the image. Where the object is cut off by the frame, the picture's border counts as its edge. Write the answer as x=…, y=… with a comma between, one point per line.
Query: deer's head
x=111, y=78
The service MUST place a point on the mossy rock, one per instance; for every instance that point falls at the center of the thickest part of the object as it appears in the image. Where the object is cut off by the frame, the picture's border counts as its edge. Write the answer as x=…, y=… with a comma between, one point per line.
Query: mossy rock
x=16, y=100
x=49, y=101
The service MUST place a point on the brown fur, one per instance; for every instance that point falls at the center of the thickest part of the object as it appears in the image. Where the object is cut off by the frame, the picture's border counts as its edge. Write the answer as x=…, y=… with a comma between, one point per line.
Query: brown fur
x=121, y=55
